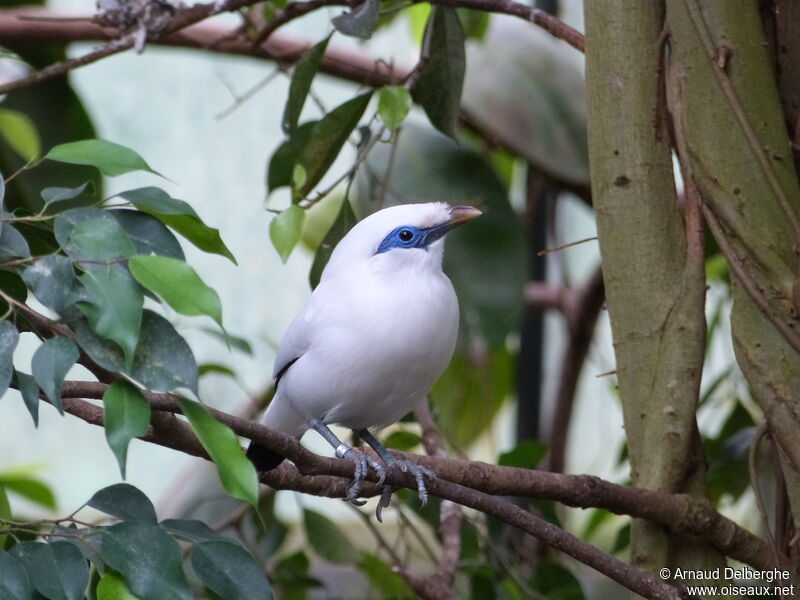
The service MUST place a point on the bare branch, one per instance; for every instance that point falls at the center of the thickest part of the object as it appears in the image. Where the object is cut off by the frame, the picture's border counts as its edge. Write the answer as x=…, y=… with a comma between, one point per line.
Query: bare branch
x=184, y=17
x=680, y=513
x=178, y=435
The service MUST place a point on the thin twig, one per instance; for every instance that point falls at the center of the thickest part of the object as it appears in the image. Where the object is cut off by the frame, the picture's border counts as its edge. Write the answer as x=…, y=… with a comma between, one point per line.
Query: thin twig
x=563, y=246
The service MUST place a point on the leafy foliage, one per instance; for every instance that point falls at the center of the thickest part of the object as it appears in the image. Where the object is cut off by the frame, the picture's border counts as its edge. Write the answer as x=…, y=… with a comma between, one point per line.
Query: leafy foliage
x=137, y=557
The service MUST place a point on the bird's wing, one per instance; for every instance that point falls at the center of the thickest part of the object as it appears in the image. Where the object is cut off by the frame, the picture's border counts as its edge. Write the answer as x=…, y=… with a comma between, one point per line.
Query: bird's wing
x=295, y=341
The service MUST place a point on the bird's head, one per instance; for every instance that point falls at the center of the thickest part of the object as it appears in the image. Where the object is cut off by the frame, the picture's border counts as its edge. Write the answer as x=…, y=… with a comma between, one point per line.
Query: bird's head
x=408, y=235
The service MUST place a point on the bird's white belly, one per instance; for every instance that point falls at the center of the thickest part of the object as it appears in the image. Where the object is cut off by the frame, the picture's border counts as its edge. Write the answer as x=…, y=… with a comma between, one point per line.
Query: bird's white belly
x=369, y=367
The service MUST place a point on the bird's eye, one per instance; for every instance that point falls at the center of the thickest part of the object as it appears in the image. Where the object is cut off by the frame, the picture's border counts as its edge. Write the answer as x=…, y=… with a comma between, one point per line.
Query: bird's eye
x=405, y=235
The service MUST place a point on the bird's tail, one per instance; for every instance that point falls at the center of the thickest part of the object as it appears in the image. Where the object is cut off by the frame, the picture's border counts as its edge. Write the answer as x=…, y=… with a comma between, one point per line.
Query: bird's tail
x=279, y=416
x=263, y=458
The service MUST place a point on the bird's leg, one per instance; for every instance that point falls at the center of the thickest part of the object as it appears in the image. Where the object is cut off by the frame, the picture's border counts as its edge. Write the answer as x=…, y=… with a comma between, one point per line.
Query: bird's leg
x=418, y=471
x=362, y=461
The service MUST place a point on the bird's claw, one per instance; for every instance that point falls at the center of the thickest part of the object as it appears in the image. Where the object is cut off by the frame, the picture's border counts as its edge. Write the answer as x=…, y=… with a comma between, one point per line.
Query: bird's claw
x=362, y=464
x=420, y=473
x=383, y=502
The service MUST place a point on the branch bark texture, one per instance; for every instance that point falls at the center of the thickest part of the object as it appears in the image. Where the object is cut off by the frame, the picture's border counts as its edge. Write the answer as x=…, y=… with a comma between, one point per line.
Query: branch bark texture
x=734, y=145
x=330, y=477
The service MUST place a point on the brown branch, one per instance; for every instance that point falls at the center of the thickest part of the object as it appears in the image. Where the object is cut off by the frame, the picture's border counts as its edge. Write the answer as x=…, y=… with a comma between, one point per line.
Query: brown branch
x=680, y=513
x=549, y=23
x=283, y=48
x=285, y=477
x=184, y=17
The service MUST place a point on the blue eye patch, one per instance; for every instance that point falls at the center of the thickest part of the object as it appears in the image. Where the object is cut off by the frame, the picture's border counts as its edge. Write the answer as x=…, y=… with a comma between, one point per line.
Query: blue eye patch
x=412, y=237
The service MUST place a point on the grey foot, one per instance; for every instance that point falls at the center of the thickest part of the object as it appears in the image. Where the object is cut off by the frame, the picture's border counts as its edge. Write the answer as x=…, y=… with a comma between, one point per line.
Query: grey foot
x=420, y=473
x=362, y=464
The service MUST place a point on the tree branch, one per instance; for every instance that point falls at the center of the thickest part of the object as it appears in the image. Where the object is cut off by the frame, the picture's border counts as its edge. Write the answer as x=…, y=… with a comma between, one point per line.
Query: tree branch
x=680, y=513
x=184, y=17
x=286, y=477
x=42, y=26
x=16, y=30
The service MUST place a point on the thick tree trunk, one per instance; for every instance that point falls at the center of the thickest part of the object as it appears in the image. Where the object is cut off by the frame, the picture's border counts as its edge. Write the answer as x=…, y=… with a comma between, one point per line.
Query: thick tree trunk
x=735, y=150
x=652, y=256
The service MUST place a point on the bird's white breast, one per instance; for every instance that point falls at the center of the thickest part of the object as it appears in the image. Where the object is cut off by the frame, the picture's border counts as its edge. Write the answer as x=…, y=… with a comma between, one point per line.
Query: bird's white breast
x=378, y=338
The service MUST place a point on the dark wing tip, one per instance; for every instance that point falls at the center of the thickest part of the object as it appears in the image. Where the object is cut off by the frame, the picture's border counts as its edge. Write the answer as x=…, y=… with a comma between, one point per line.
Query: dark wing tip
x=263, y=458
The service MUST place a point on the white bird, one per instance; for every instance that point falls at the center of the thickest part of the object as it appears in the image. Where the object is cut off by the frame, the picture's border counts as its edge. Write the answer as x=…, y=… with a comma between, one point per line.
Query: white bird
x=373, y=338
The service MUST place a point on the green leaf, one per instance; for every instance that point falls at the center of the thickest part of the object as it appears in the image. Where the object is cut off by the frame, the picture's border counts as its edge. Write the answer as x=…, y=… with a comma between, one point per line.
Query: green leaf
x=291, y=573
x=623, y=539
x=11, y=55
x=30, y=394
x=148, y=234
x=5, y=513
x=125, y=502
x=189, y=529
x=53, y=281
x=181, y=217
x=469, y=393
x=9, y=337
x=126, y=416
x=148, y=559
x=441, y=78
x=418, y=16
x=50, y=364
x=327, y=539
x=59, y=199
x=12, y=244
x=281, y=166
x=29, y=488
x=14, y=582
x=112, y=587
x=230, y=571
x=99, y=240
x=384, y=579
x=329, y=135
x=556, y=582
x=20, y=133
x=113, y=307
x=236, y=342
x=526, y=455
x=85, y=543
x=402, y=440
x=302, y=76
x=206, y=368
x=394, y=103
x=177, y=284
x=236, y=472
x=285, y=229
x=61, y=572
x=163, y=360
x=361, y=21
x=111, y=159
x=156, y=201
x=199, y=234
x=597, y=518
